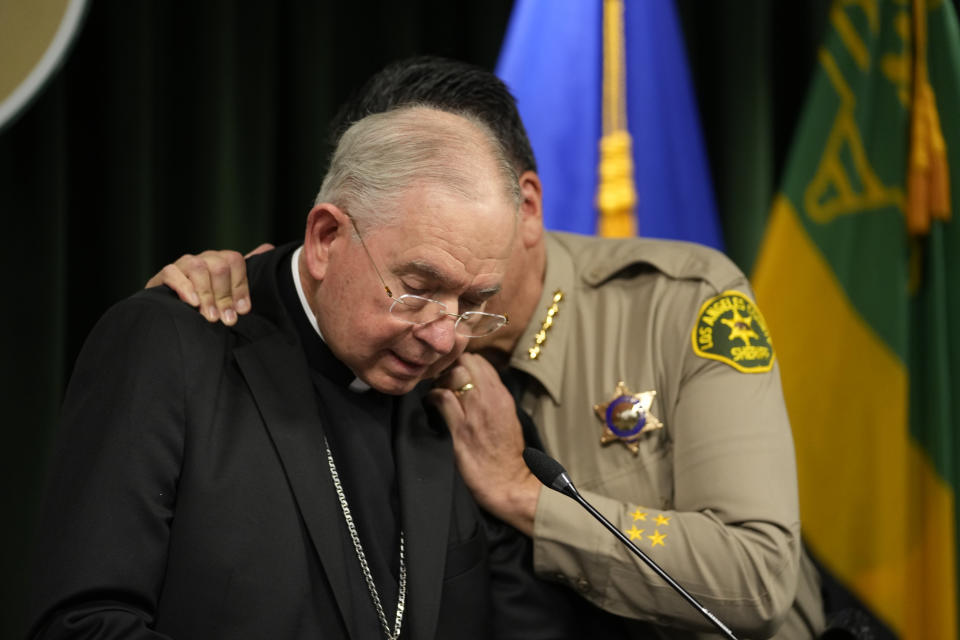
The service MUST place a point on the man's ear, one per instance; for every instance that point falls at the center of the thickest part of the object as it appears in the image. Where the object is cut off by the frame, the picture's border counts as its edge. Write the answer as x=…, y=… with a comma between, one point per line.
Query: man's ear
x=325, y=224
x=531, y=209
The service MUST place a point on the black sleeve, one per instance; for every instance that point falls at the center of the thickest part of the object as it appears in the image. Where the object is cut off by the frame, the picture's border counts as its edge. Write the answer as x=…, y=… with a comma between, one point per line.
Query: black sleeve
x=105, y=521
x=525, y=606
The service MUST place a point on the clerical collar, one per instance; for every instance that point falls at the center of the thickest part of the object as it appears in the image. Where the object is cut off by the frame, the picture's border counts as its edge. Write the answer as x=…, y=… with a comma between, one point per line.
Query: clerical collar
x=357, y=385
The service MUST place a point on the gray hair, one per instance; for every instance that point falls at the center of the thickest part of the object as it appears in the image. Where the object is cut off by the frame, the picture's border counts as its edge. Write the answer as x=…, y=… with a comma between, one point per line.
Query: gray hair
x=383, y=154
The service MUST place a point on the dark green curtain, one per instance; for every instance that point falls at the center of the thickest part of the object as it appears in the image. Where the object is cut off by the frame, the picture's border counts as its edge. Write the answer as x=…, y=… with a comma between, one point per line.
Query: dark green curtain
x=175, y=127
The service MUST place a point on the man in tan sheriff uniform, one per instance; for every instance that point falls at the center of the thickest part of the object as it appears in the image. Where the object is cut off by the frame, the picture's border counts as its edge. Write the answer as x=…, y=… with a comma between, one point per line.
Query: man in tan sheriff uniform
x=652, y=379
x=645, y=391
x=683, y=444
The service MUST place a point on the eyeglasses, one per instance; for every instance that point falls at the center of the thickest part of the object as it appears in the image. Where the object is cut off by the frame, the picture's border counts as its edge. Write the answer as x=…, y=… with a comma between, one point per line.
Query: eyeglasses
x=414, y=309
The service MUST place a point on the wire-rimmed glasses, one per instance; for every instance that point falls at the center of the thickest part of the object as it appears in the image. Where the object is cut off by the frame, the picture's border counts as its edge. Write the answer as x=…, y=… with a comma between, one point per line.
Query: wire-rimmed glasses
x=414, y=309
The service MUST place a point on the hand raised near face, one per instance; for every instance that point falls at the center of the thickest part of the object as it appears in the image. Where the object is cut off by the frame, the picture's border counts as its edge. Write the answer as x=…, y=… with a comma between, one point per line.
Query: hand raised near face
x=488, y=440
x=213, y=281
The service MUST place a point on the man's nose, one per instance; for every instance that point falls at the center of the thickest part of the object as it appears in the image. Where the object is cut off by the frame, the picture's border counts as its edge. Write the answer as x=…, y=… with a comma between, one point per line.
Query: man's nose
x=440, y=334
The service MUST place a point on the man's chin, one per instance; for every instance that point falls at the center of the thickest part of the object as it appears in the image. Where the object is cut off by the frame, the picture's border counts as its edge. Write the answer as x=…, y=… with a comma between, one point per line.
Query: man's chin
x=391, y=383
x=395, y=389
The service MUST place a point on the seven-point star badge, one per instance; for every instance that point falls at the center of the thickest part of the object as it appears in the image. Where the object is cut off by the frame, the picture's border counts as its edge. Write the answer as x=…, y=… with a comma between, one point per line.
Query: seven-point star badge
x=626, y=416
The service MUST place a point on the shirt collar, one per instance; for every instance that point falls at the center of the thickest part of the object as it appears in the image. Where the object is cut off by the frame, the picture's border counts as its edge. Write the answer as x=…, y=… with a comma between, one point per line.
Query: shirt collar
x=548, y=366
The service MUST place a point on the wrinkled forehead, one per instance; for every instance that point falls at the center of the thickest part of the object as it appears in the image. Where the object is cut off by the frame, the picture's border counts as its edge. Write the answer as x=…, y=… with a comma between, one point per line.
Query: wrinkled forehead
x=451, y=240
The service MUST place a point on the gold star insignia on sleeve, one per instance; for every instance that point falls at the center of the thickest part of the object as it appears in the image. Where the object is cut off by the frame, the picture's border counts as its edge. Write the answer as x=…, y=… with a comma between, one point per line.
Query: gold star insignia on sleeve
x=662, y=520
x=657, y=539
x=634, y=533
x=639, y=515
x=626, y=416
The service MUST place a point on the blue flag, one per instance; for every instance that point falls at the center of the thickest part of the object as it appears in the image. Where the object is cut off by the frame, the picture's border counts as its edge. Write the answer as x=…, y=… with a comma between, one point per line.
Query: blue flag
x=552, y=60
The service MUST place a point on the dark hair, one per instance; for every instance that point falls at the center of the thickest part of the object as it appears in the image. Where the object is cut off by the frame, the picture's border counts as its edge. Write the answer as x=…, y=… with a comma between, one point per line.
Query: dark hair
x=447, y=85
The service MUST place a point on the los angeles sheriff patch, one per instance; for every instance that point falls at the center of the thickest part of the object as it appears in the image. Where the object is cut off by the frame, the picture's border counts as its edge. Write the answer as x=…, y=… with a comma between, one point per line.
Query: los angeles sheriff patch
x=731, y=329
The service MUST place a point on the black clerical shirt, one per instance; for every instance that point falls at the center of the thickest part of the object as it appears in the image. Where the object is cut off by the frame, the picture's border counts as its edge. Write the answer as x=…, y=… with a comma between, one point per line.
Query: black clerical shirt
x=359, y=427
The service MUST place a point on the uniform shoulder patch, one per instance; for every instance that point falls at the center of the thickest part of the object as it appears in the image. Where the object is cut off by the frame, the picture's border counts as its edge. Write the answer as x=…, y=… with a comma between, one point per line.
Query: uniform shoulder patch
x=731, y=329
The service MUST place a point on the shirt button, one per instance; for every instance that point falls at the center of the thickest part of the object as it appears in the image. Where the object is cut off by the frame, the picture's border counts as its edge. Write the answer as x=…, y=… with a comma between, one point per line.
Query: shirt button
x=582, y=585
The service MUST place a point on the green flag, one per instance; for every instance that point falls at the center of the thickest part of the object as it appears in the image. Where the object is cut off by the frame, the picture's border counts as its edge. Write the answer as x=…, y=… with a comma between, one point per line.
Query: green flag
x=864, y=307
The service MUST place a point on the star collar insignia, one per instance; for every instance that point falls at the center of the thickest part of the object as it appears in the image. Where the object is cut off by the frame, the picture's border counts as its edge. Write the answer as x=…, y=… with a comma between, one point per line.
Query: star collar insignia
x=626, y=416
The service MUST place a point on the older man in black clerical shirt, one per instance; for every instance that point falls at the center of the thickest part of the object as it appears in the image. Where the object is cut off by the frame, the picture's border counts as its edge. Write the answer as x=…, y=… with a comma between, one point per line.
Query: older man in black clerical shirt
x=279, y=478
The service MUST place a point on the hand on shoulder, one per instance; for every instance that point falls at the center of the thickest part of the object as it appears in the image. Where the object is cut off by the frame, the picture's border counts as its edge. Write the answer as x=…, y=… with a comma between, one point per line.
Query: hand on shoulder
x=214, y=281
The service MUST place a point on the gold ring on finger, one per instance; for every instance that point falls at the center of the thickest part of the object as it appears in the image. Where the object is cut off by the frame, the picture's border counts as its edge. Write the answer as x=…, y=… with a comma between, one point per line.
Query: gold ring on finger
x=462, y=390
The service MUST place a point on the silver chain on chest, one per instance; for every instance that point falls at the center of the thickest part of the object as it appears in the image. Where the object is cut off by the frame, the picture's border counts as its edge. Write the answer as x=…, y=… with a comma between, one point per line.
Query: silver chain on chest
x=361, y=556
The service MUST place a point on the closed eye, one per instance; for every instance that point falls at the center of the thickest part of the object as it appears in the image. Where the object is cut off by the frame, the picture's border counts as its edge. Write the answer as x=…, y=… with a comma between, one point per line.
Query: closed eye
x=467, y=304
x=416, y=290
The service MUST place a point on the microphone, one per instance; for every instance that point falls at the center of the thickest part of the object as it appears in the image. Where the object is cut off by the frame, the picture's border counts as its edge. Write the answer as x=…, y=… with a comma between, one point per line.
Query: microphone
x=548, y=471
x=552, y=474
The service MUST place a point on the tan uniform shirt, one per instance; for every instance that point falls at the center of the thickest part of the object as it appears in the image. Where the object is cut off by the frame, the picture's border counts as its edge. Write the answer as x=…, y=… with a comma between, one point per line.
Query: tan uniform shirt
x=712, y=495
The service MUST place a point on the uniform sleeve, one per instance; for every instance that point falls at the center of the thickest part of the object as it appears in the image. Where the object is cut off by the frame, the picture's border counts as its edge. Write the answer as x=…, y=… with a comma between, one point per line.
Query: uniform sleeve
x=730, y=532
x=105, y=521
